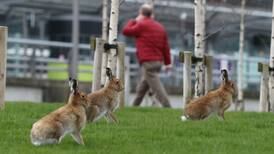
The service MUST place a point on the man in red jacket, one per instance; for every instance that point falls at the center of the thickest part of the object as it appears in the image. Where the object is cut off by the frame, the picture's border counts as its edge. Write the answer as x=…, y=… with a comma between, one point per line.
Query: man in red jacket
x=152, y=52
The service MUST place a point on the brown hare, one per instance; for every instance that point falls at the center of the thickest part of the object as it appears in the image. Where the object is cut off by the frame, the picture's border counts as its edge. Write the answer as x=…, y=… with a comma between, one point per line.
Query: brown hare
x=216, y=101
x=104, y=101
x=68, y=119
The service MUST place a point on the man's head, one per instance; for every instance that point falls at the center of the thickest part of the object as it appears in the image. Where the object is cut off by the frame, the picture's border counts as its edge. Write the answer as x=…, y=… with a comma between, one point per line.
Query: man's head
x=146, y=10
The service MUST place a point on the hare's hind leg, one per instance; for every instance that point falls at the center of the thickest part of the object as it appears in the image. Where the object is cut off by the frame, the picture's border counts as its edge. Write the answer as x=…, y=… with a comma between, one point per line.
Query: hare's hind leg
x=78, y=137
x=111, y=117
x=93, y=113
x=51, y=141
x=221, y=114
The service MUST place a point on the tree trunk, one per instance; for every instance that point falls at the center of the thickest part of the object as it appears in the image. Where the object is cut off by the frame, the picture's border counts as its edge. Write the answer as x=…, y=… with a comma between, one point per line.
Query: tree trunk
x=121, y=71
x=113, y=30
x=200, y=13
x=3, y=60
x=73, y=63
x=264, y=92
x=271, y=64
x=104, y=37
x=187, y=77
x=97, y=63
x=240, y=103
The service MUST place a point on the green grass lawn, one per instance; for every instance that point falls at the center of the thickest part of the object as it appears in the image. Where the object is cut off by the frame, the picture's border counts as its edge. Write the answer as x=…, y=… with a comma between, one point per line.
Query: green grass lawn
x=143, y=130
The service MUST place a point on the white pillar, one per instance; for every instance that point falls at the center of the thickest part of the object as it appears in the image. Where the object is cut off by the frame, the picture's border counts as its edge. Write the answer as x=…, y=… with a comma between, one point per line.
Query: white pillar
x=73, y=63
x=97, y=63
x=240, y=102
x=3, y=61
x=187, y=77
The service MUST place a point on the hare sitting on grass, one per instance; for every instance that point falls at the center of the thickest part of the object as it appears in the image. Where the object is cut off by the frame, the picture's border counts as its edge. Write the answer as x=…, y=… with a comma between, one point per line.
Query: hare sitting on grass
x=104, y=101
x=68, y=119
x=217, y=101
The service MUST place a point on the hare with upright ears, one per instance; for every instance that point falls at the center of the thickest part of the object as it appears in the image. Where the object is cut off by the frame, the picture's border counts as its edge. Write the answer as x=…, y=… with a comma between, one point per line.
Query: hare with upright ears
x=68, y=119
x=217, y=101
x=104, y=101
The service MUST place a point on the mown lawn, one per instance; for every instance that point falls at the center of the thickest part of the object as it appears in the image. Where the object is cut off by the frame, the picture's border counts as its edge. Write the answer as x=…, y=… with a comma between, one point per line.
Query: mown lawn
x=143, y=130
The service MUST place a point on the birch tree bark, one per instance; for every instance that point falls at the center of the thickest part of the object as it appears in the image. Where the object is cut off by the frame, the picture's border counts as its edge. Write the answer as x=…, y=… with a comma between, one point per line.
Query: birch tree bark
x=104, y=37
x=271, y=64
x=200, y=14
x=113, y=30
x=240, y=103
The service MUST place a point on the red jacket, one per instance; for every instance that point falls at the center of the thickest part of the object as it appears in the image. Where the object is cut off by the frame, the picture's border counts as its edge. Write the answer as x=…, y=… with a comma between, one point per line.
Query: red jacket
x=151, y=40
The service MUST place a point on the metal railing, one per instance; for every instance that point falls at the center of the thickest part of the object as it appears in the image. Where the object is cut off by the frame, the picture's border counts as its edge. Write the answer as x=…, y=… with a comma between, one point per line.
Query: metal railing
x=29, y=65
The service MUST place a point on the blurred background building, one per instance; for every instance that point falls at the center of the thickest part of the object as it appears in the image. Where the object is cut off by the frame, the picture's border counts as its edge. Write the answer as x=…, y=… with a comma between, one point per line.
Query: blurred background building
x=40, y=36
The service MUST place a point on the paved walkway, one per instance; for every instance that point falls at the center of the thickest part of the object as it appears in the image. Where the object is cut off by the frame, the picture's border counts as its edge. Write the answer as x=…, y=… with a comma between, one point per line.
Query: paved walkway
x=176, y=102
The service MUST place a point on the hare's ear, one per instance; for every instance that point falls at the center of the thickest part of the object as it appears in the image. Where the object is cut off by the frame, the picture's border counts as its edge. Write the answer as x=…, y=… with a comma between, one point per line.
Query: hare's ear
x=73, y=84
x=70, y=83
x=109, y=73
x=224, y=75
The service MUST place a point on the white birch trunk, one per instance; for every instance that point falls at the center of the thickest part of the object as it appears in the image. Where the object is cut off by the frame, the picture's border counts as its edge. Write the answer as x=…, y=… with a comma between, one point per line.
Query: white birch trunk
x=271, y=64
x=200, y=14
x=97, y=63
x=240, y=103
x=264, y=95
x=104, y=37
x=113, y=30
x=3, y=61
x=187, y=77
x=121, y=71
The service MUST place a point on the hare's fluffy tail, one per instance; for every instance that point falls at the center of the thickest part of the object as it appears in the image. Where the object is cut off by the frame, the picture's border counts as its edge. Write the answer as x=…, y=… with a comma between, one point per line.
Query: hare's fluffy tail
x=184, y=118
